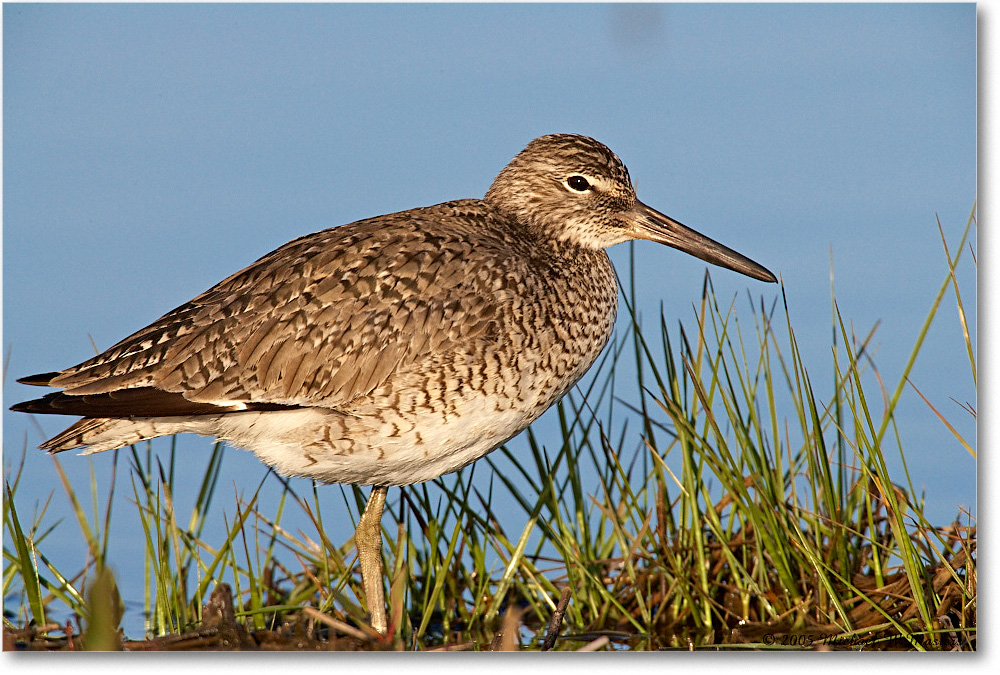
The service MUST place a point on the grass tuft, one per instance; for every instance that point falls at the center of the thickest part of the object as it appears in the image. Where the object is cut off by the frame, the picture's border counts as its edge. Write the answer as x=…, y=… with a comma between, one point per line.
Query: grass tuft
x=703, y=495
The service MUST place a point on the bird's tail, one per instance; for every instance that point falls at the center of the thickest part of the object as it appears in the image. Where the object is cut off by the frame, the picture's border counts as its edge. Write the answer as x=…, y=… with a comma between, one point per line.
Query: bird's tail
x=98, y=434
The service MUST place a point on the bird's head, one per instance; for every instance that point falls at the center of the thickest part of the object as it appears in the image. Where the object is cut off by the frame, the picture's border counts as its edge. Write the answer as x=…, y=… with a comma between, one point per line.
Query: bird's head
x=574, y=189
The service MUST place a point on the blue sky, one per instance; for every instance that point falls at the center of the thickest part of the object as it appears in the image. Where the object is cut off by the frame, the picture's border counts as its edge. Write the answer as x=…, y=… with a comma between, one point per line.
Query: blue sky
x=150, y=151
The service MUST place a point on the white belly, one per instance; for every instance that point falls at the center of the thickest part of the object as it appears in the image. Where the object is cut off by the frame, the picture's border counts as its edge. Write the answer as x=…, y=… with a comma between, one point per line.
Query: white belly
x=335, y=448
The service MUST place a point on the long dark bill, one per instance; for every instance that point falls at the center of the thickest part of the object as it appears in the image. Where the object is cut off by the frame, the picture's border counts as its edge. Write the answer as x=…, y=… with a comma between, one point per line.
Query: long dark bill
x=652, y=225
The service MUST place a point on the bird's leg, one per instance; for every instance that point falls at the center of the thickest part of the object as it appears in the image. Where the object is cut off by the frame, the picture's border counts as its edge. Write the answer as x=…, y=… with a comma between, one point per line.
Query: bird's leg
x=368, y=541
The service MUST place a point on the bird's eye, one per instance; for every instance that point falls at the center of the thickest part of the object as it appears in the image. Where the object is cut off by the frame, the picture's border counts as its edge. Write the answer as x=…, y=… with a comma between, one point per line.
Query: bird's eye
x=578, y=183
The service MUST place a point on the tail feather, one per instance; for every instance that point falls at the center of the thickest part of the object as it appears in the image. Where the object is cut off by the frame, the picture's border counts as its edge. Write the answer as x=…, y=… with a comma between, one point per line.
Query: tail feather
x=98, y=434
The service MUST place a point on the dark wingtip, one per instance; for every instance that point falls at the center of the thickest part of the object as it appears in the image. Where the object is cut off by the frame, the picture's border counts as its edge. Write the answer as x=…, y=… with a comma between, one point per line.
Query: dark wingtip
x=136, y=402
x=40, y=380
x=39, y=405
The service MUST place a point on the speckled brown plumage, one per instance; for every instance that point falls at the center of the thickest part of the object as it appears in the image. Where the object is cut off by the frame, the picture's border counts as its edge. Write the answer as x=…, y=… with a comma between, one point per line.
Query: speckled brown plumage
x=393, y=349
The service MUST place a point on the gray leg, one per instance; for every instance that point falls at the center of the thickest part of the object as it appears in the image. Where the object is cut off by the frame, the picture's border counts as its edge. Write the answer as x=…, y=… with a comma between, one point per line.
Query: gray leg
x=368, y=541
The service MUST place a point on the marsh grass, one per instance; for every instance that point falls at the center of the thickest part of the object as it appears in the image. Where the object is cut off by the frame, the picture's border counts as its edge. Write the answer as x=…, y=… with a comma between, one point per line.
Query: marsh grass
x=782, y=528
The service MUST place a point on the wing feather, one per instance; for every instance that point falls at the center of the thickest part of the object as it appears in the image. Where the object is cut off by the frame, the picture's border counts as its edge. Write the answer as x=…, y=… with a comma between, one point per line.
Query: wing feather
x=322, y=320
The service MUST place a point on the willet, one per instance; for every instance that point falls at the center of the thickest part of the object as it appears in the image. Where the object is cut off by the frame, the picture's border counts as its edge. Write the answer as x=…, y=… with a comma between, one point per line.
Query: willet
x=391, y=350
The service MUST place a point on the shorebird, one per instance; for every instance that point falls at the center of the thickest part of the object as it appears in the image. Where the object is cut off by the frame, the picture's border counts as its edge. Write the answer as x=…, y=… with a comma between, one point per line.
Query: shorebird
x=391, y=350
